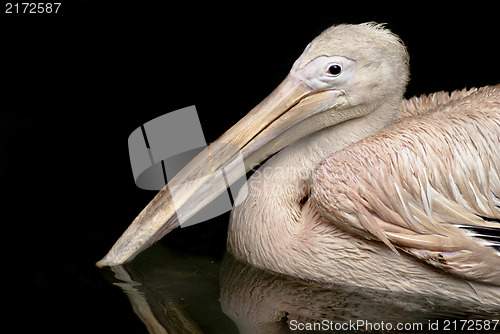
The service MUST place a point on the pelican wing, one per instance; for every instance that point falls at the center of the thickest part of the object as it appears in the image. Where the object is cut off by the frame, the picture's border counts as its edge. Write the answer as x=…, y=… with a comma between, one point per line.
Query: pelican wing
x=429, y=185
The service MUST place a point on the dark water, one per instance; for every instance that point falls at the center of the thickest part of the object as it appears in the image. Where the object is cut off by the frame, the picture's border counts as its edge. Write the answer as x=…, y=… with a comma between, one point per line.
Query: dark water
x=205, y=290
x=188, y=284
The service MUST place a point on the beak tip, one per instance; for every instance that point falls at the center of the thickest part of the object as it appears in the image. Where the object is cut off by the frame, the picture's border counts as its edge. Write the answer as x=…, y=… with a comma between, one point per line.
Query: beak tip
x=110, y=260
x=100, y=264
x=104, y=262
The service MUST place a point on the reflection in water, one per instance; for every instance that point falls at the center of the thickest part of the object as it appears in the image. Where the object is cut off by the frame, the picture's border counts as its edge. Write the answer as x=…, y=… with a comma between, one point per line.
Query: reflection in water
x=261, y=302
x=174, y=293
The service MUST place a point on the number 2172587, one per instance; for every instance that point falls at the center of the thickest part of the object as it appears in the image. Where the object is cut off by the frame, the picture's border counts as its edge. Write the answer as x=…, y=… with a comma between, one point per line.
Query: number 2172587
x=32, y=7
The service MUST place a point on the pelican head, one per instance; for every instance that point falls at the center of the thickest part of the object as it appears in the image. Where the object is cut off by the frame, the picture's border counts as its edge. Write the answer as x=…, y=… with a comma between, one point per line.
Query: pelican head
x=347, y=72
x=362, y=63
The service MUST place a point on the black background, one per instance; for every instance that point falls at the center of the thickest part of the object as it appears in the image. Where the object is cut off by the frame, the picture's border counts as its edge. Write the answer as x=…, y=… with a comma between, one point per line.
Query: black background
x=75, y=84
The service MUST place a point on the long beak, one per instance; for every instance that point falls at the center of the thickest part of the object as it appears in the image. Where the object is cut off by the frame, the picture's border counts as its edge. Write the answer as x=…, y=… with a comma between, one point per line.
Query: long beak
x=254, y=138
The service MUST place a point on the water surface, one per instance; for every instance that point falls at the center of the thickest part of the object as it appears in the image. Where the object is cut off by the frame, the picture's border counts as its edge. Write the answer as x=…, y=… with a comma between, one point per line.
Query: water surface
x=199, y=288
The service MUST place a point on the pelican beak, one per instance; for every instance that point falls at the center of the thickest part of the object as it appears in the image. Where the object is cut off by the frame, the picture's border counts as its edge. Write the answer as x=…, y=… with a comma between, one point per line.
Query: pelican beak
x=269, y=127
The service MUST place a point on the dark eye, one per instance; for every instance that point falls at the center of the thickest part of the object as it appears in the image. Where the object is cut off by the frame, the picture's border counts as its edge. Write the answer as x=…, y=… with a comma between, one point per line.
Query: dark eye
x=335, y=69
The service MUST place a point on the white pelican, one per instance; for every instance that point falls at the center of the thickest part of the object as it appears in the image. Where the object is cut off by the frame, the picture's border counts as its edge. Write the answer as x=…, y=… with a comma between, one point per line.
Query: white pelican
x=366, y=190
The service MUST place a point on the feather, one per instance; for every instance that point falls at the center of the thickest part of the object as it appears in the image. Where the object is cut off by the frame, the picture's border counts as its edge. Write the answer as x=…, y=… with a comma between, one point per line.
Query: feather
x=428, y=185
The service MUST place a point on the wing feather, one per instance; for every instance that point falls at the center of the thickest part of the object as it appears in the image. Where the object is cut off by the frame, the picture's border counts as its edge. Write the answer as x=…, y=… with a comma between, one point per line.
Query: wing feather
x=429, y=185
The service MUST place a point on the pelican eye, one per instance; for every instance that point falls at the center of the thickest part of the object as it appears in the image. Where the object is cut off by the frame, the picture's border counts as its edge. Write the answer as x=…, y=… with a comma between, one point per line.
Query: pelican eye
x=334, y=69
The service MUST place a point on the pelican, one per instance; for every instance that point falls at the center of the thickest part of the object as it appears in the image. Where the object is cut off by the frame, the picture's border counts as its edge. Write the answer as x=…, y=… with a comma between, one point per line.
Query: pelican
x=367, y=189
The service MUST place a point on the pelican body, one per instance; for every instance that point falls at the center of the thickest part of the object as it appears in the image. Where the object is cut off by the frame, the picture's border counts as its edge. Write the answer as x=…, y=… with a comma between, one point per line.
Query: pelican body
x=367, y=189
